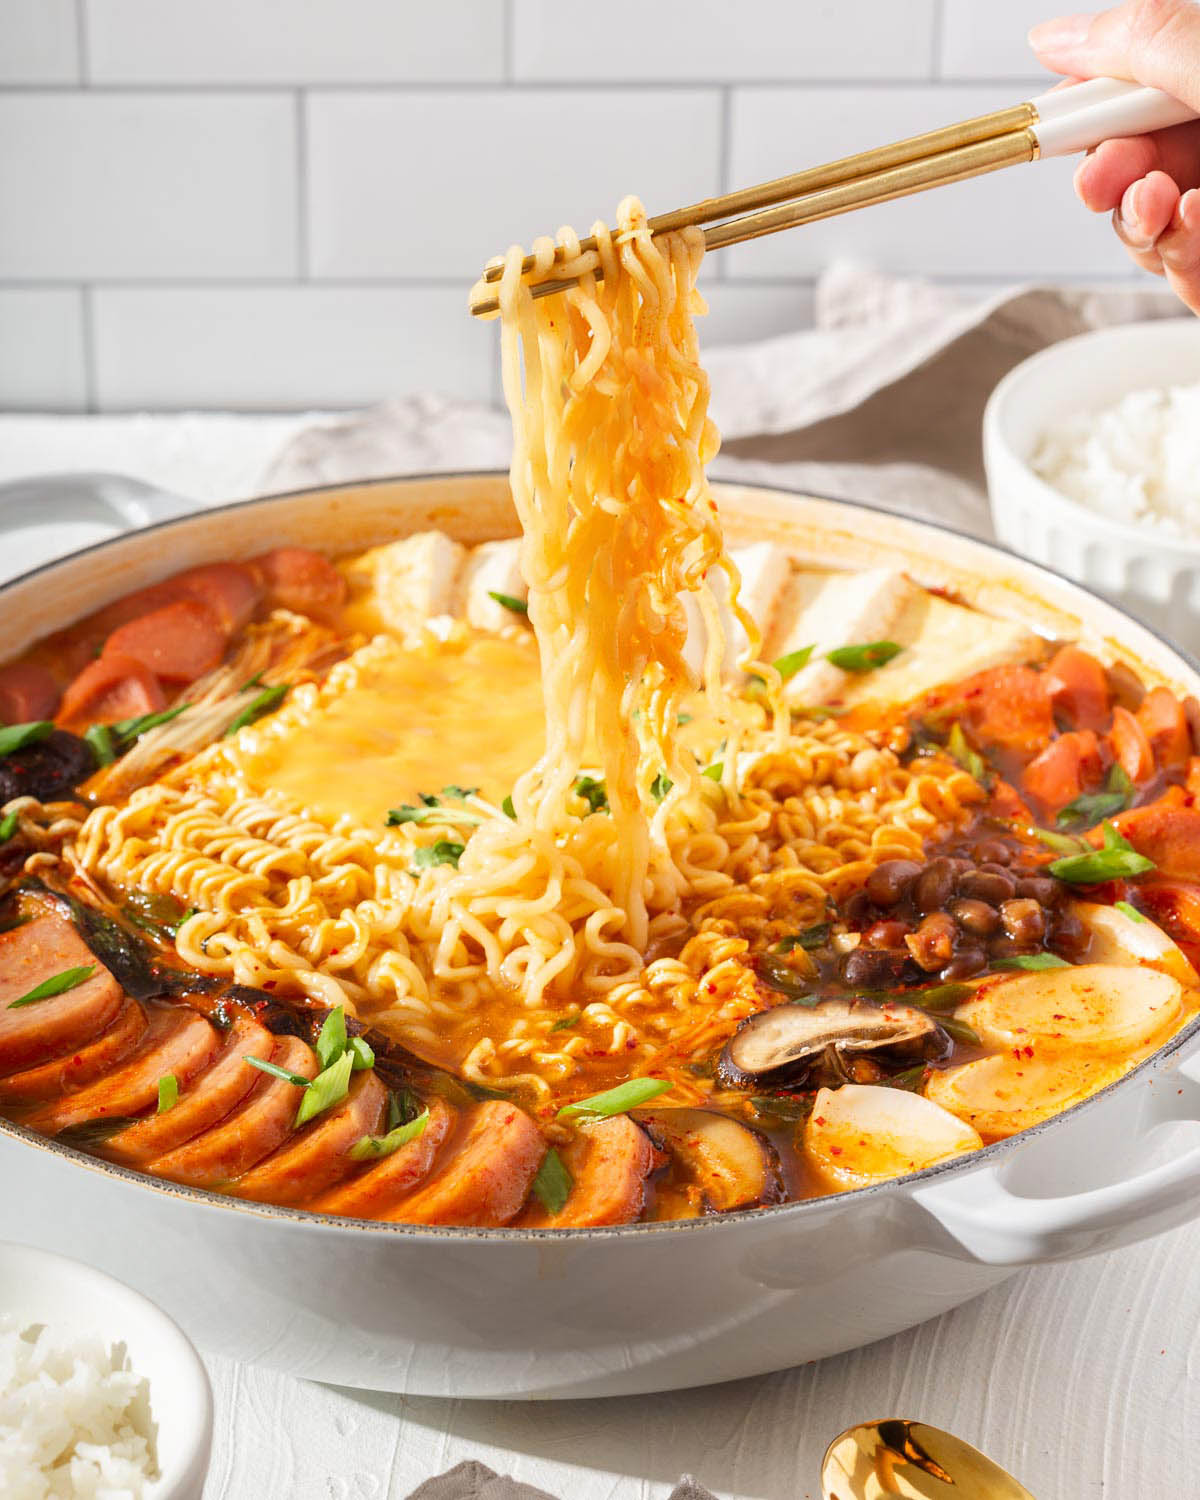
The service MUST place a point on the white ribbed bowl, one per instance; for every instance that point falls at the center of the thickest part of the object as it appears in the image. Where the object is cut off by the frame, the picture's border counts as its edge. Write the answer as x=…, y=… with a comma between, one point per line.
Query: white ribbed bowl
x=1157, y=577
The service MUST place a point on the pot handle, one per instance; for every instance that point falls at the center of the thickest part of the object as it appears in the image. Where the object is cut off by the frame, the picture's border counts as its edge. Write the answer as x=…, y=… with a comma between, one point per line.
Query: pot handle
x=981, y=1219
x=117, y=500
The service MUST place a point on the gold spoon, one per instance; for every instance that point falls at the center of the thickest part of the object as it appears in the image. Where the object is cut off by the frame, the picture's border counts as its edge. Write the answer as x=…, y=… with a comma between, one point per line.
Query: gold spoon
x=913, y=1461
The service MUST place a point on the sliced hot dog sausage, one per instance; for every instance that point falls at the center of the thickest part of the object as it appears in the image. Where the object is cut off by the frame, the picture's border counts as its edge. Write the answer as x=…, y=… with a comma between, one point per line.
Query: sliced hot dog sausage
x=370, y=1195
x=179, y=643
x=27, y=692
x=298, y=579
x=114, y=687
x=486, y=1176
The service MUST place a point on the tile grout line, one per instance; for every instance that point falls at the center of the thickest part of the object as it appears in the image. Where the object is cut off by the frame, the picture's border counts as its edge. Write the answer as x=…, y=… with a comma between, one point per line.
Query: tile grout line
x=303, y=262
x=87, y=326
x=400, y=87
x=84, y=60
x=724, y=156
x=935, y=48
x=508, y=42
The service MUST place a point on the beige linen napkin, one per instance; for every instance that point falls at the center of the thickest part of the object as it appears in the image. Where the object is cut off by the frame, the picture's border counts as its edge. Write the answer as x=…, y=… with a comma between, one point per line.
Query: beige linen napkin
x=881, y=401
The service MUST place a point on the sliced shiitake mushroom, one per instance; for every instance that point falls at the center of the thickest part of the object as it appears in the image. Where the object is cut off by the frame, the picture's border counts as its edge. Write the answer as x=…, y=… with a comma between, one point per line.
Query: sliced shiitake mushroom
x=731, y=1165
x=786, y=1043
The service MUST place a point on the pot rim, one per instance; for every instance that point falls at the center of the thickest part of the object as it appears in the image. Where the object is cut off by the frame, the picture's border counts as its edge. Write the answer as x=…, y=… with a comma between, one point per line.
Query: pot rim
x=959, y=1166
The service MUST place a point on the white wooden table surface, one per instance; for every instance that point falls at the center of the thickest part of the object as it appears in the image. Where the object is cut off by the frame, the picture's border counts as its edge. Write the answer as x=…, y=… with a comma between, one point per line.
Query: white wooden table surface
x=1083, y=1378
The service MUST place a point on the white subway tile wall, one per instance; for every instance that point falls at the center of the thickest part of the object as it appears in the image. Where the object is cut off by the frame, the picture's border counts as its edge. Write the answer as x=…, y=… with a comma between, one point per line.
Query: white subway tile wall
x=272, y=204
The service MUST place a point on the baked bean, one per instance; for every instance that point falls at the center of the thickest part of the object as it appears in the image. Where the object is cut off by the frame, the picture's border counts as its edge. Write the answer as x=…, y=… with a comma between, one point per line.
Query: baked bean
x=1024, y=920
x=992, y=851
x=1070, y=937
x=934, y=886
x=993, y=886
x=874, y=968
x=975, y=916
x=932, y=945
x=885, y=934
x=889, y=882
x=970, y=958
x=1006, y=947
x=1041, y=888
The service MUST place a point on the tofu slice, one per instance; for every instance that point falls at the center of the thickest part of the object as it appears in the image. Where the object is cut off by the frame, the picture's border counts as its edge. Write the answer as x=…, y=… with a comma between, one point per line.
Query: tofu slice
x=416, y=579
x=765, y=570
x=950, y=642
x=492, y=568
x=826, y=610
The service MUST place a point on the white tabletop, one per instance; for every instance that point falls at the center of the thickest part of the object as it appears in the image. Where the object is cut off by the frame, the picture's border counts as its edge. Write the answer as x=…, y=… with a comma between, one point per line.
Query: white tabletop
x=1083, y=1378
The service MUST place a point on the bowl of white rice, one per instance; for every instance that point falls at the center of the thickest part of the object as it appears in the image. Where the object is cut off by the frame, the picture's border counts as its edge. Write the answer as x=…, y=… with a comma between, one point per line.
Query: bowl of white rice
x=102, y=1397
x=1092, y=450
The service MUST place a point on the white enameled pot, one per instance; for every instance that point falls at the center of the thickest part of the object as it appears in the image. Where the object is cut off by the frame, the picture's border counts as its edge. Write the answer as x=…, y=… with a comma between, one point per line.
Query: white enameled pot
x=502, y=1313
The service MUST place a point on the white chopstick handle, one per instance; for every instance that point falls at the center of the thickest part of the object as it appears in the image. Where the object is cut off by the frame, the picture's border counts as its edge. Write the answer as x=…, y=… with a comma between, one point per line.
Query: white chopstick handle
x=1080, y=117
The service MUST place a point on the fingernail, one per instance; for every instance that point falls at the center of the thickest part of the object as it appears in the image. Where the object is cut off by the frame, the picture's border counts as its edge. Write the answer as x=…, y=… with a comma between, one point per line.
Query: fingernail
x=1061, y=34
x=1189, y=208
x=1129, y=219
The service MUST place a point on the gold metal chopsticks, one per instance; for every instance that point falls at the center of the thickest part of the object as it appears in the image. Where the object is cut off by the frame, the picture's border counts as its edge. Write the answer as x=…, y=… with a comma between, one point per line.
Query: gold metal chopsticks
x=1053, y=124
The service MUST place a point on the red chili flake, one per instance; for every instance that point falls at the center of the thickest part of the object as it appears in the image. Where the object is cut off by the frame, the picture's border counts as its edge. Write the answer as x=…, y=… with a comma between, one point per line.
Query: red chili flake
x=268, y=984
x=1028, y=1051
x=820, y=1120
x=835, y=1151
x=711, y=987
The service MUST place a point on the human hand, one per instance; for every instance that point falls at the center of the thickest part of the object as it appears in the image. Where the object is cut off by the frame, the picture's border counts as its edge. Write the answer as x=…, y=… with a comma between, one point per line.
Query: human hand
x=1149, y=183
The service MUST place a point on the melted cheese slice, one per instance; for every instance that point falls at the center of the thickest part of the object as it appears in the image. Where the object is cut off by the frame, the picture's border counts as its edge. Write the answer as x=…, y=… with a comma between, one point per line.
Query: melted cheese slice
x=416, y=720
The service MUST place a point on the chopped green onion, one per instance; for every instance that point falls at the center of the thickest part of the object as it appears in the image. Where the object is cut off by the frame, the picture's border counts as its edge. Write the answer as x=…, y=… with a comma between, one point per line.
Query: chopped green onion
x=9, y=824
x=373, y=1147
x=912, y=1079
x=779, y=975
x=1130, y=911
x=593, y=791
x=682, y=719
x=270, y=698
x=865, y=658
x=507, y=808
x=18, y=736
x=1034, y=961
x=130, y=729
x=968, y=758
x=168, y=1093
x=1117, y=858
x=1062, y=843
x=99, y=737
x=459, y=793
x=715, y=771
x=660, y=786
x=442, y=853
x=939, y=996
x=567, y=1022
x=518, y=606
x=331, y=1039
x=787, y=666
x=327, y=1088
x=625, y=1096
x=1091, y=807
x=408, y=813
x=553, y=1182
x=57, y=984
x=276, y=1071
x=959, y=1030
x=812, y=937
x=362, y=1053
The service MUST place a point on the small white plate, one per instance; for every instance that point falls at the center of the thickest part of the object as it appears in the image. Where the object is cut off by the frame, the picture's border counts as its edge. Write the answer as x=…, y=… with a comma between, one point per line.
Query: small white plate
x=76, y=1301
